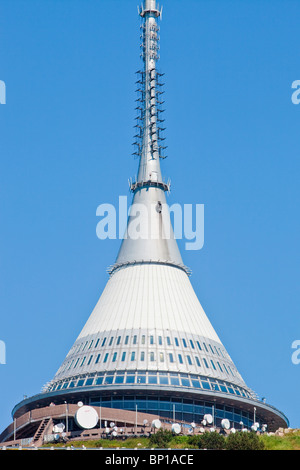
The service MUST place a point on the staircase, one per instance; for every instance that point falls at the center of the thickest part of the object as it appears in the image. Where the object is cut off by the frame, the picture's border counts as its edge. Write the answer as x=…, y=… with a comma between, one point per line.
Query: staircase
x=39, y=435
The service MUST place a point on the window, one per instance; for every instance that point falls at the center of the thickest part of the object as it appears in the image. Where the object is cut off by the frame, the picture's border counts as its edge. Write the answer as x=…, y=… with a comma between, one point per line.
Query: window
x=152, y=356
x=198, y=344
x=133, y=356
x=211, y=349
x=114, y=357
x=143, y=339
x=197, y=361
x=176, y=341
x=189, y=360
x=184, y=342
x=97, y=342
x=105, y=357
x=219, y=366
x=118, y=340
x=205, y=362
x=160, y=340
x=205, y=347
x=168, y=341
x=180, y=358
x=91, y=344
x=161, y=357
x=192, y=344
x=83, y=360
x=111, y=340
x=90, y=360
x=84, y=346
x=123, y=356
x=134, y=339
x=126, y=339
x=97, y=358
x=103, y=342
x=212, y=363
x=142, y=356
x=171, y=359
x=151, y=339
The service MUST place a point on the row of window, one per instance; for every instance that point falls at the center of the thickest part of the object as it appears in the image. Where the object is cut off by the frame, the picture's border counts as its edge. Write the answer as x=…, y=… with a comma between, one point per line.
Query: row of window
x=153, y=378
x=116, y=341
x=104, y=358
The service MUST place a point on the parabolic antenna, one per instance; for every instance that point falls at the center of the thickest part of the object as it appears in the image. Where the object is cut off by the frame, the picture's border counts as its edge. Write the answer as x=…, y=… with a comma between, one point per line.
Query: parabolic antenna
x=86, y=417
x=80, y=403
x=208, y=419
x=58, y=427
x=225, y=424
x=176, y=428
x=156, y=424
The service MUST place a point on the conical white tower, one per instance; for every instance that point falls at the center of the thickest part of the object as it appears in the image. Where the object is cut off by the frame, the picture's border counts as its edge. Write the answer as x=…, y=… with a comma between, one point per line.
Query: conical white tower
x=148, y=343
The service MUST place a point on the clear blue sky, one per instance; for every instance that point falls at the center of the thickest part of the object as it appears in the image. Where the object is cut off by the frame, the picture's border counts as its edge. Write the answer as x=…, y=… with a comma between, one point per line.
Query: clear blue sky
x=66, y=142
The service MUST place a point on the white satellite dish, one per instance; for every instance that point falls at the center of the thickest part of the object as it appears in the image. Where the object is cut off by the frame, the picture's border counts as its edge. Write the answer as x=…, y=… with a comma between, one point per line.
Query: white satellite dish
x=111, y=424
x=244, y=430
x=232, y=430
x=201, y=429
x=176, y=428
x=225, y=424
x=254, y=427
x=80, y=403
x=145, y=422
x=193, y=424
x=212, y=429
x=115, y=428
x=203, y=422
x=58, y=428
x=190, y=430
x=208, y=419
x=114, y=433
x=86, y=417
x=107, y=430
x=156, y=424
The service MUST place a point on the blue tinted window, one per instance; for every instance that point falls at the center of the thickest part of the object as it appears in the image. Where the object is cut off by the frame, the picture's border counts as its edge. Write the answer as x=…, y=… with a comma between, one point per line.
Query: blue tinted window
x=106, y=357
x=152, y=379
x=189, y=360
x=123, y=356
x=103, y=342
x=205, y=385
x=130, y=379
x=141, y=379
x=176, y=341
x=171, y=359
x=185, y=382
x=174, y=380
x=99, y=380
x=109, y=379
x=119, y=379
x=205, y=362
x=163, y=380
x=89, y=381
x=184, y=342
x=198, y=344
x=114, y=357
x=133, y=356
x=195, y=383
x=192, y=344
x=180, y=358
x=97, y=358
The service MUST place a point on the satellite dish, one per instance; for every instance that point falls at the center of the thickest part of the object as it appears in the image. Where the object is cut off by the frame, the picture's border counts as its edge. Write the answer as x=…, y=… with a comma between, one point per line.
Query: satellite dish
x=212, y=429
x=86, y=417
x=176, y=428
x=254, y=427
x=244, y=430
x=232, y=430
x=156, y=424
x=80, y=403
x=225, y=424
x=115, y=428
x=190, y=430
x=201, y=429
x=203, y=422
x=193, y=424
x=111, y=424
x=208, y=419
x=58, y=428
x=114, y=433
x=145, y=422
x=107, y=430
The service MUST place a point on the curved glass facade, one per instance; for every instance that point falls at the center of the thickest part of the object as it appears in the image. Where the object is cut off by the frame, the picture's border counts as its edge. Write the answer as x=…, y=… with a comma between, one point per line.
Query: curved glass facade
x=163, y=379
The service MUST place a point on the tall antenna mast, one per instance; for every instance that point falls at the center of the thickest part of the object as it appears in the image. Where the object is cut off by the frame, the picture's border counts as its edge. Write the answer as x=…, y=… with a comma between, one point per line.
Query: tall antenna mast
x=149, y=138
